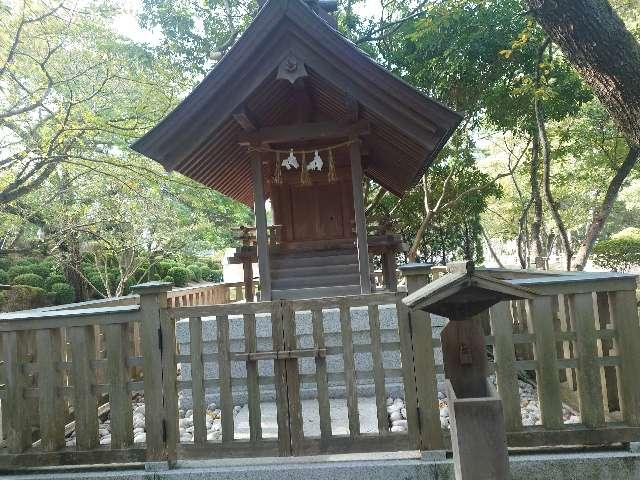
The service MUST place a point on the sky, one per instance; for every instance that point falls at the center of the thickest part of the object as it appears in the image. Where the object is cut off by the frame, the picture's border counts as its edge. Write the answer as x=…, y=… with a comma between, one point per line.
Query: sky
x=126, y=24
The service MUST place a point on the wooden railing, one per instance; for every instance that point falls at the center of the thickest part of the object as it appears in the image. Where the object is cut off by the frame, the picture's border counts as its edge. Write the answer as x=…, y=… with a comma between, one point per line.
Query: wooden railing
x=581, y=331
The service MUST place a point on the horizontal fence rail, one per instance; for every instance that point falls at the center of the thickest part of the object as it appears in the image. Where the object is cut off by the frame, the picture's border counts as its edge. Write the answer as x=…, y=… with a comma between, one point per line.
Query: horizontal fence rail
x=69, y=369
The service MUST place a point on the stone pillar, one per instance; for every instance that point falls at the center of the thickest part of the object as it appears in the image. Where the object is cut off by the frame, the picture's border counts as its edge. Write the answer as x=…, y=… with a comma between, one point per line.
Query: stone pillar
x=416, y=274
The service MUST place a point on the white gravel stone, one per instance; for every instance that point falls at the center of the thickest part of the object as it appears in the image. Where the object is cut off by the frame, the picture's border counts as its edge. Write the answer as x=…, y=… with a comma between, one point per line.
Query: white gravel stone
x=140, y=438
x=105, y=440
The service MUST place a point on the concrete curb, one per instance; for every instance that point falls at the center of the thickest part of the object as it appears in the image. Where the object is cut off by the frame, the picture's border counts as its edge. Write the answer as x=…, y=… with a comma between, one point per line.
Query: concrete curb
x=593, y=465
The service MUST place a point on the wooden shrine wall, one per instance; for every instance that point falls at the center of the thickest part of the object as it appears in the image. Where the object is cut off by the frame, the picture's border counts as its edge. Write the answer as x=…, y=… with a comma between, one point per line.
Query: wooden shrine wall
x=320, y=212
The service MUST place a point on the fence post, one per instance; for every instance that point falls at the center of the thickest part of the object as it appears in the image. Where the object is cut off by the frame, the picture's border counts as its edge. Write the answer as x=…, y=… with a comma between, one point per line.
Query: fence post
x=417, y=275
x=155, y=339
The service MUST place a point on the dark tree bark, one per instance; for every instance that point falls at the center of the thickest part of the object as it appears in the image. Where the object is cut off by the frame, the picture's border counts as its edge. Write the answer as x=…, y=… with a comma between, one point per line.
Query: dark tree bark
x=595, y=40
x=601, y=214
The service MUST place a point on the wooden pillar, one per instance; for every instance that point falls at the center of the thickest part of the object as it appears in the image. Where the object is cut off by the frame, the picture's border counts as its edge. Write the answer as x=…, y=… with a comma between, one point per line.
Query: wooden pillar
x=261, y=228
x=361, y=221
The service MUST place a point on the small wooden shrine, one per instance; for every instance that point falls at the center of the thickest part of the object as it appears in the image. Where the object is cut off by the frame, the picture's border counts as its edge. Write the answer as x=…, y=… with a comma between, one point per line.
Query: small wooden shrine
x=296, y=114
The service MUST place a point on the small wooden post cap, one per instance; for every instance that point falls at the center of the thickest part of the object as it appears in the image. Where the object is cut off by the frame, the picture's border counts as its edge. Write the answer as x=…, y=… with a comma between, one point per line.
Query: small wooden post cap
x=412, y=269
x=149, y=288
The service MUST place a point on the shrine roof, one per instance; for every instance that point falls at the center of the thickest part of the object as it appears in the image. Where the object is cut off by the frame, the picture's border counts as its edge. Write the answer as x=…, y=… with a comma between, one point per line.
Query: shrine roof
x=200, y=137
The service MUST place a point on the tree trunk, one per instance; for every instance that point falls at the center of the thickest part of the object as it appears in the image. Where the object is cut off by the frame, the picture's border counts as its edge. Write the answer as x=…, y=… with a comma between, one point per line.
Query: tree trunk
x=601, y=213
x=595, y=40
x=536, y=200
x=490, y=247
x=546, y=181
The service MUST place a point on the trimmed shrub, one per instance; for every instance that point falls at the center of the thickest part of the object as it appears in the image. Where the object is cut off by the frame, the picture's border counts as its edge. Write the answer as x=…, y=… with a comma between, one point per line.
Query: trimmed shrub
x=30, y=279
x=63, y=293
x=216, y=276
x=196, y=272
x=23, y=297
x=206, y=273
x=41, y=268
x=54, y=279
x=620, y=253
x=179, y=276
x=163, y=267
x=18, y=270
x=168, y=278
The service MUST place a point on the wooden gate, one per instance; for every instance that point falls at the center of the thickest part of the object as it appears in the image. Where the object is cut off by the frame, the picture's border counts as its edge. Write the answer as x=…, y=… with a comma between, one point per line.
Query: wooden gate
x=302, y=354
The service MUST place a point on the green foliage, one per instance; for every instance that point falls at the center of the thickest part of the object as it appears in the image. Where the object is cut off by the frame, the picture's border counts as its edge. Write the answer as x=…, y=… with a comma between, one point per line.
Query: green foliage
x=196, y=272
x=194, y=33
x=23, y=297
x=619, y=253
x=19, y=270
x=4, y=278
x=480, y=58
x=179, y=276
x=30, y=279
x=49, y=281
x=63, y=293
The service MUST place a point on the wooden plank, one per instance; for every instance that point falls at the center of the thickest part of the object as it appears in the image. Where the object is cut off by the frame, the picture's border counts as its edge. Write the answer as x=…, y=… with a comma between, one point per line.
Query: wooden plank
x=425, y=380
x=409, y=375
x=118, y=376
x=72, y=456
x=17, y=429
x=304, y=131
x=624, y=316
x=75, y=318
x=540, y=322
x=293, y=379
x=573, y=435
x=567, y=343
x=280, y=380
x=261, y=228
x=197, y=381
x=349, y=369
x=169, y=380
x=50, y=404
x=83, y=378
x=378, y=370
x=606, y=350
x=150, y=336
x=588, y=372
x=224, y=370
x=324, y=408
x=506, y=372
x=253, y=387
x=360, y=216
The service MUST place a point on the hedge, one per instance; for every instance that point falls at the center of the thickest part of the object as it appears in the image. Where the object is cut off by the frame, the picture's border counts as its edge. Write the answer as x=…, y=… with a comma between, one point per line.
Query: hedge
x=63, y=293
x=30, y=279
x=179, y=276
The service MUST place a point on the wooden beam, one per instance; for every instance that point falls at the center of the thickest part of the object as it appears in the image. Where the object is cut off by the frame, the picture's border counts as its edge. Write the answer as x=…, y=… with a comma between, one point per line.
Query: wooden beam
x=246, y=119
x=304, y=131
x=264, y=268
x=304, y=100
x=360, y=218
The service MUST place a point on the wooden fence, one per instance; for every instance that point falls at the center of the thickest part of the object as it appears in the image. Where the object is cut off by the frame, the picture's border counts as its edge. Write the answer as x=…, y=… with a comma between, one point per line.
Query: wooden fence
x=582, y=331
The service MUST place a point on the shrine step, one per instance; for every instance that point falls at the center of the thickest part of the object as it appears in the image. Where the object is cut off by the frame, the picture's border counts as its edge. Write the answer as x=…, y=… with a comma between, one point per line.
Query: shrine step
x=332, y=280
x=315, y=292
x=291, y=272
